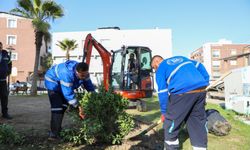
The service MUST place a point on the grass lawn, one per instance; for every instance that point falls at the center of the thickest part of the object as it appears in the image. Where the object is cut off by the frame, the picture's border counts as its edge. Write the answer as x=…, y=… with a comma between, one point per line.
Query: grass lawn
x=238, y=139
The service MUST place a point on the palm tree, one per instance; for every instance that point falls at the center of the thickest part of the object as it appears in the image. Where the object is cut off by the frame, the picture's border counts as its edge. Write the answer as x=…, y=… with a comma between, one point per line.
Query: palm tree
x=67, y=45
x=41, y=12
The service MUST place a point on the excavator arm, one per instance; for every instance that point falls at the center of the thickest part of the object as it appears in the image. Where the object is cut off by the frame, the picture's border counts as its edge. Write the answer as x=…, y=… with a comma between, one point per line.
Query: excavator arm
x=89, y=43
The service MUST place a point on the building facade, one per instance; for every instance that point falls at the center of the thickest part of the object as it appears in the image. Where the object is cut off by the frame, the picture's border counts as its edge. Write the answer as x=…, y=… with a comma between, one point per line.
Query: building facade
x=17, y=32
x=222, y=56
x=158, y=40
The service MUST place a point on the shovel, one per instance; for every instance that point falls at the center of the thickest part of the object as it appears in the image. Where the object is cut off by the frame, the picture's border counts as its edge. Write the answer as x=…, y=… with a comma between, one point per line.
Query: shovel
x=142, y=133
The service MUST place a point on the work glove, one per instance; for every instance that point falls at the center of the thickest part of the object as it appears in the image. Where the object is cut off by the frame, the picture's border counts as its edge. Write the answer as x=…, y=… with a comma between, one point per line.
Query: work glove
x=81, y=113
x=73, y=106
x=162, y=118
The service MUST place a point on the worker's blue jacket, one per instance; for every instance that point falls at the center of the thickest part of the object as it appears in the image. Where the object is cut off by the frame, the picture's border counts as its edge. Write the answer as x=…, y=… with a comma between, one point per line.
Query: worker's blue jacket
x=177, y=75
x=5, y=65
x=62, y=77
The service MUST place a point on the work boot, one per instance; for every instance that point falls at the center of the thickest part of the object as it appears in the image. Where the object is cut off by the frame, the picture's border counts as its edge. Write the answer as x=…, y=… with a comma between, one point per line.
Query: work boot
x=55, y=126
x=53, y=137
x=6, y=116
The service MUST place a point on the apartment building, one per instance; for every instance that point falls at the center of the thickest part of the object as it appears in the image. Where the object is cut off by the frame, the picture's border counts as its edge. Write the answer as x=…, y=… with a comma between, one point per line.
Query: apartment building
x=17, y=33
x=222, y=56
x=113, y=38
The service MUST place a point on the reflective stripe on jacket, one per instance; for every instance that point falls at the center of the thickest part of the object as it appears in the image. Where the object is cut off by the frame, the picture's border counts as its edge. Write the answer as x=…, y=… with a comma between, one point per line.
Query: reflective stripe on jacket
x=63, y=77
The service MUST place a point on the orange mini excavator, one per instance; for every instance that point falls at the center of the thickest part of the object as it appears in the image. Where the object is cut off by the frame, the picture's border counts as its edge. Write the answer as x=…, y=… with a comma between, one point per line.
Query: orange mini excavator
x=132, y=84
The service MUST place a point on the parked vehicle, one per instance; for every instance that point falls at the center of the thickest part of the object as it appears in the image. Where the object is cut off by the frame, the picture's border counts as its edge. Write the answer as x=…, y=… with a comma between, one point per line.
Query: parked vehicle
x=13, y=86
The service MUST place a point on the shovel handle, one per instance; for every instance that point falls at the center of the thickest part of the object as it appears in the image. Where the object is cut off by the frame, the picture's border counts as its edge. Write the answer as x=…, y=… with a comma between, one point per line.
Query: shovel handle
x=217, y=81
x=150, y=127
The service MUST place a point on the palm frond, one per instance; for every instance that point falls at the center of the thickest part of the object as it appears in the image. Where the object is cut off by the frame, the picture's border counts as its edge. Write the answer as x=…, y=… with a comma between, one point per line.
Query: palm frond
x=40, y=11
x=52, y=10
x=36, y=3
x=20, y=12
x=27, y=6
x=67, y=45
x=62, y=45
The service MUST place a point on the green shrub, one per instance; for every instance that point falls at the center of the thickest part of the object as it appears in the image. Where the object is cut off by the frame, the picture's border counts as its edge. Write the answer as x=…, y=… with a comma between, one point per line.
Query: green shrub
x=9, y=136
x=105, y=119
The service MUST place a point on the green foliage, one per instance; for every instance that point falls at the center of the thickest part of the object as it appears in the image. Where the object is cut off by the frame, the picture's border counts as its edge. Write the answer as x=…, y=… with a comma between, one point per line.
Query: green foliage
x=70, y=135
x=105, y=119
x=9, y=136
x=47, y=61
x=41, y=12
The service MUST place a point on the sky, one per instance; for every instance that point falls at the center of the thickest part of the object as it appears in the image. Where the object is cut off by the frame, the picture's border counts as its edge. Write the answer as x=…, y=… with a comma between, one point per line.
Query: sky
x=193, y=22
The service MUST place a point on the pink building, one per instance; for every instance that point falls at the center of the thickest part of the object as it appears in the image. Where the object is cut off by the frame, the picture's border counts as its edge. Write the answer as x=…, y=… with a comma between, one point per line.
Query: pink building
x=17, y=32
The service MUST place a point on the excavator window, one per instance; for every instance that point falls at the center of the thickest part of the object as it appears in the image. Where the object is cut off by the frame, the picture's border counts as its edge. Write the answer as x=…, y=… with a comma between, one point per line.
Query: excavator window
x=131, y=69
x=116, y=71
x=145, y=60
x=145, y=77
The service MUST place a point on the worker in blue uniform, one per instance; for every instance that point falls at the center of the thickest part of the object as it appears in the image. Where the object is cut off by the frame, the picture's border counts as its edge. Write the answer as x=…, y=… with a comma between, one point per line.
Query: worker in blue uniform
x=5, y=70
x=61, y=80
x=181, y=92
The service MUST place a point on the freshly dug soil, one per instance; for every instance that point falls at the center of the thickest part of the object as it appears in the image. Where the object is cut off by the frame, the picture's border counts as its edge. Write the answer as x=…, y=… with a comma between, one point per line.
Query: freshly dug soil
x=31, y=118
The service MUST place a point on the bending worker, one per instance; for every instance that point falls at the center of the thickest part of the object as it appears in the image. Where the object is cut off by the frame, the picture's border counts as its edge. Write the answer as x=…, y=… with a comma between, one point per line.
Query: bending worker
x=181, y=92
x=61, y=80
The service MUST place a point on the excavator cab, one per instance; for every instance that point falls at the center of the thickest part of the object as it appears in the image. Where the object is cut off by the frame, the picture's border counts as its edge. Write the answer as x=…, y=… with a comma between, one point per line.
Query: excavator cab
x=127, y=70
x=131, y=72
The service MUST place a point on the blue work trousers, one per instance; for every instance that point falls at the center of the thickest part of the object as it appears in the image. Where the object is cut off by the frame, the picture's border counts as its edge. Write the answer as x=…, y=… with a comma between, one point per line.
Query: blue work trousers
x=57, y=101
x=190, y=109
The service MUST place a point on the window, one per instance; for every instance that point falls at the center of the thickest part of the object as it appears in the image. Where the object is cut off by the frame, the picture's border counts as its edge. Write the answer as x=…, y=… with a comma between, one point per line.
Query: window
x=233, y=51
x=145, y=59
x=14, y=71
x=11, y=23
x=216, y=53
x=233, y=62
x=11, y=39
x=216, y=63
x=13, y=56
x=116, y=70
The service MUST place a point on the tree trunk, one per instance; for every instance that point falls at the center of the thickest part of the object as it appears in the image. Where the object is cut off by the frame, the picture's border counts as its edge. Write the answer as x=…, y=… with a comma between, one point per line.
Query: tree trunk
x=46, y=47
x=67, y=54
x=38, y=43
